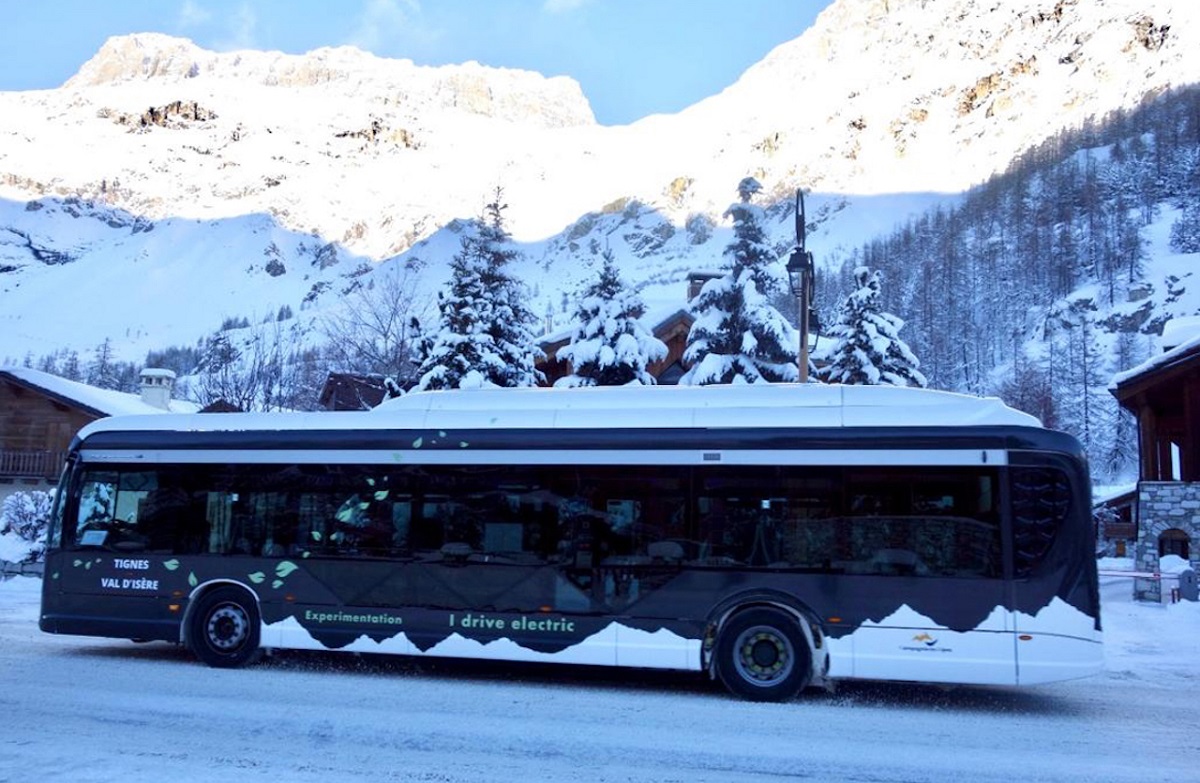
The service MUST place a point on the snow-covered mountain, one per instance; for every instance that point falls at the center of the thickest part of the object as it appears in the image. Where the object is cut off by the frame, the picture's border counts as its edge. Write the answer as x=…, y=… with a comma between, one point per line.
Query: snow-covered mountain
x=165, y=188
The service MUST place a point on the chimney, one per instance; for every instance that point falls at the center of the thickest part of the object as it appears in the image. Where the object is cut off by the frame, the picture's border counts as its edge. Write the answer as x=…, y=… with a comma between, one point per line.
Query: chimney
x=696, y=281
x=156, y=387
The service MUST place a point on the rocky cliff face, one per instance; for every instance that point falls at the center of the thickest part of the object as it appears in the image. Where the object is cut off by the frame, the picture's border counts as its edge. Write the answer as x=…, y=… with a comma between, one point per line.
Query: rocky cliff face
x=906, y=95
x=503, y=94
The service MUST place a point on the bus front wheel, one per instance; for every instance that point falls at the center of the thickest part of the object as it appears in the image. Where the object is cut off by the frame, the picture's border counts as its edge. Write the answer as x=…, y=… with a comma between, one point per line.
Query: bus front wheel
x=224, y=628
x=762, y=655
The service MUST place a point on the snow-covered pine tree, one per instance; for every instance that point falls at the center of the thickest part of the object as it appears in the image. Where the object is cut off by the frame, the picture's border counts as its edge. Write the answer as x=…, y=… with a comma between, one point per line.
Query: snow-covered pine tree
x=71, y=369
x=1185, y=231
x=867, y=348
x=610, y=346
x=26, y=516
x=738, y=336
x=485, y=336
x=102, y=372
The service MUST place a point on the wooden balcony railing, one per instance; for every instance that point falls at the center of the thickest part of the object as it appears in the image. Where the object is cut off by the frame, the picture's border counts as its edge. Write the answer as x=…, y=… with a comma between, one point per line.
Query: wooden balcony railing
x=30, y=464
x=1120, y=530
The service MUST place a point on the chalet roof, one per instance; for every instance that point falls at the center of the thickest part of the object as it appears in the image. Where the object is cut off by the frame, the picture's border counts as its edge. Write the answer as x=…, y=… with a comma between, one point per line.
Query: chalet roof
x=1183, y=358
x=90, y=399
x=350, y=391
x=656, y=319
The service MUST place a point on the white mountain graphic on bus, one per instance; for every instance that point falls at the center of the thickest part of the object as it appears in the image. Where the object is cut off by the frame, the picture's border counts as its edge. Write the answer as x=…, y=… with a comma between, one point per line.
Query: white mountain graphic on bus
x=1059, y=642
x=615, y=645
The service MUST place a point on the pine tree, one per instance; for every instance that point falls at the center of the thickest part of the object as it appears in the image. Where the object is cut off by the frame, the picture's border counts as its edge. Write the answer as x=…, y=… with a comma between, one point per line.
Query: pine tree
x=485, y=336
x=738, y=336
x=102, y=372
x=1027, y=388
x=70, y=368
x=867, y=347
x=1185, y=231
x=610, y=346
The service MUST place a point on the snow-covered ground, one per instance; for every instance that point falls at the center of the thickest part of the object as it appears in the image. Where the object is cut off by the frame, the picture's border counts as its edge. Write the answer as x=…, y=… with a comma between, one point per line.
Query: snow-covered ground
x=82, y=709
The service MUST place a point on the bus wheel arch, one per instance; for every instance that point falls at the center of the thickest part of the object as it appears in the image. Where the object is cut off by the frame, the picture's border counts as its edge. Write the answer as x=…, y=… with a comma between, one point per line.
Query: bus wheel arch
x=766, y=651
x=223, y=626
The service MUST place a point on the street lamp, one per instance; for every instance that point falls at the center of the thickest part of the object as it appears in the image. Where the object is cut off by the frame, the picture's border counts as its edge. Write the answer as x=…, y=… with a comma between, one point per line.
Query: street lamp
x=801, y=280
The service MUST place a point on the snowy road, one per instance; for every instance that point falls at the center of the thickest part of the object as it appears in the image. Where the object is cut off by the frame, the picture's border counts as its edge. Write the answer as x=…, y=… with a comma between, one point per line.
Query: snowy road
x=103, y=710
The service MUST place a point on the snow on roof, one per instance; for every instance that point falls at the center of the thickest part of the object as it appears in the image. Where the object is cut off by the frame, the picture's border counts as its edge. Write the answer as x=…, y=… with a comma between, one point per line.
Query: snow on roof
x=1106, y=494
x=103, y=402
x=761, y=405
x=1178, y=331
x=1181, y=335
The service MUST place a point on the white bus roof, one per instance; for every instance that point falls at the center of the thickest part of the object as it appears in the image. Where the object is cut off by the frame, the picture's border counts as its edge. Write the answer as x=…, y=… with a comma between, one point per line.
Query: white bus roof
x=637, y=407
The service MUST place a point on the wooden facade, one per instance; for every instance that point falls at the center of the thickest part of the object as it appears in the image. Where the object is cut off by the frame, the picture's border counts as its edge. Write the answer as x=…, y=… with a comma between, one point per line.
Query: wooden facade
x=1165, y=398
x=348, y=391
x=1164, y=395
x=36, y=427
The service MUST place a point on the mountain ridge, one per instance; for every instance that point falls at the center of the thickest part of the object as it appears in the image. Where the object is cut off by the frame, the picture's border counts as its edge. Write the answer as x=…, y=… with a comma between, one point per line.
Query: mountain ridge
x=330, y=187
x=504, y=93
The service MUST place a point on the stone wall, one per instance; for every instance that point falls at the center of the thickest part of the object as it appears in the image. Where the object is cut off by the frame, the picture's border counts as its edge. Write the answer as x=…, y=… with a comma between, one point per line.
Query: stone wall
x=8, y=569
x=1163, y=505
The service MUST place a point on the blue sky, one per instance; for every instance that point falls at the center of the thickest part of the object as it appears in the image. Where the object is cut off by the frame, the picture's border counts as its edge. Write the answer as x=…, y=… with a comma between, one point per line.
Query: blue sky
x=632, y=57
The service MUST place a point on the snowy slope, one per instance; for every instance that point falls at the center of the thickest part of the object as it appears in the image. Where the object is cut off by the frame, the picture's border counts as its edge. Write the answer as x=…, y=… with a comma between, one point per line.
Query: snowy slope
x=162, y=173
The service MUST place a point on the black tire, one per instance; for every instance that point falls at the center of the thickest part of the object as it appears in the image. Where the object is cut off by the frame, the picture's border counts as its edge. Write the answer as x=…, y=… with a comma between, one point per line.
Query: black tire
x=762, y=655
x=224, y=628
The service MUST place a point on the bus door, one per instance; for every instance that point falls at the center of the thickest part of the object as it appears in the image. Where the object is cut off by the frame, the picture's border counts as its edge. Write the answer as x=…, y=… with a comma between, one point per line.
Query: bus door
x=111, y=574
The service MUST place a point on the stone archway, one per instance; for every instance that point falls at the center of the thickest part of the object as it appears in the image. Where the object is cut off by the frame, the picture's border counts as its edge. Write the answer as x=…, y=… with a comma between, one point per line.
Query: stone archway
x=1167, y=506
x=1174, y=541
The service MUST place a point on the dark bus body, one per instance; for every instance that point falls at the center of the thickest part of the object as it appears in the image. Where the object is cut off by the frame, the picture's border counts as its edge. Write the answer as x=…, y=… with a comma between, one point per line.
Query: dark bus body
x=776, y=542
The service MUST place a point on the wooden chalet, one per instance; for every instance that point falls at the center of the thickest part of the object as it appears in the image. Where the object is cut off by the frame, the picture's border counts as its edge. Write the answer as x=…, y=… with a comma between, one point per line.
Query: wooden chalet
x=1164, y=394
x=40, y=414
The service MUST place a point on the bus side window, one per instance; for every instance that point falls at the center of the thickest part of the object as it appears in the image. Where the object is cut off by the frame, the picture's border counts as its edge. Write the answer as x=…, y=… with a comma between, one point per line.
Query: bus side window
x=219, y=513
x=163, y=520
x=110, y=506
x=932, y=522
x=97, y=507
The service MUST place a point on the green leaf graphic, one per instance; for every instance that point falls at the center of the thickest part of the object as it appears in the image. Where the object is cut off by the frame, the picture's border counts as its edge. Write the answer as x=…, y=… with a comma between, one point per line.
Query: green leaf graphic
x=257, y=577
x=418, y=443
x=171, y=565
x=192, y=579
x=284, y=568
x=278, y=583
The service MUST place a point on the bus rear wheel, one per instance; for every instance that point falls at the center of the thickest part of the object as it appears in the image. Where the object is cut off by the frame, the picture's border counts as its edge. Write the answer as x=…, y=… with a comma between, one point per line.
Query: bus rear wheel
x=224, y=629
x=762, y=655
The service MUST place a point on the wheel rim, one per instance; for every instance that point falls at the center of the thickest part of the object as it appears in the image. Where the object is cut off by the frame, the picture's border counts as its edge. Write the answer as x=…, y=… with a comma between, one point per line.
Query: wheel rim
x=228, y=628
x=763, y=656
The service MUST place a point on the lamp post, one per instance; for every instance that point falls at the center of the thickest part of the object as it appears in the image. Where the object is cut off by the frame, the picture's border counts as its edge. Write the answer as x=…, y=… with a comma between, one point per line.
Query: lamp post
x=801, y=279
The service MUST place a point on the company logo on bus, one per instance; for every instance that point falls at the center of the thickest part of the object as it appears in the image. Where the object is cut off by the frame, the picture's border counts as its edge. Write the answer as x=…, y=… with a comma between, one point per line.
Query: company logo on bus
x=926, y=639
